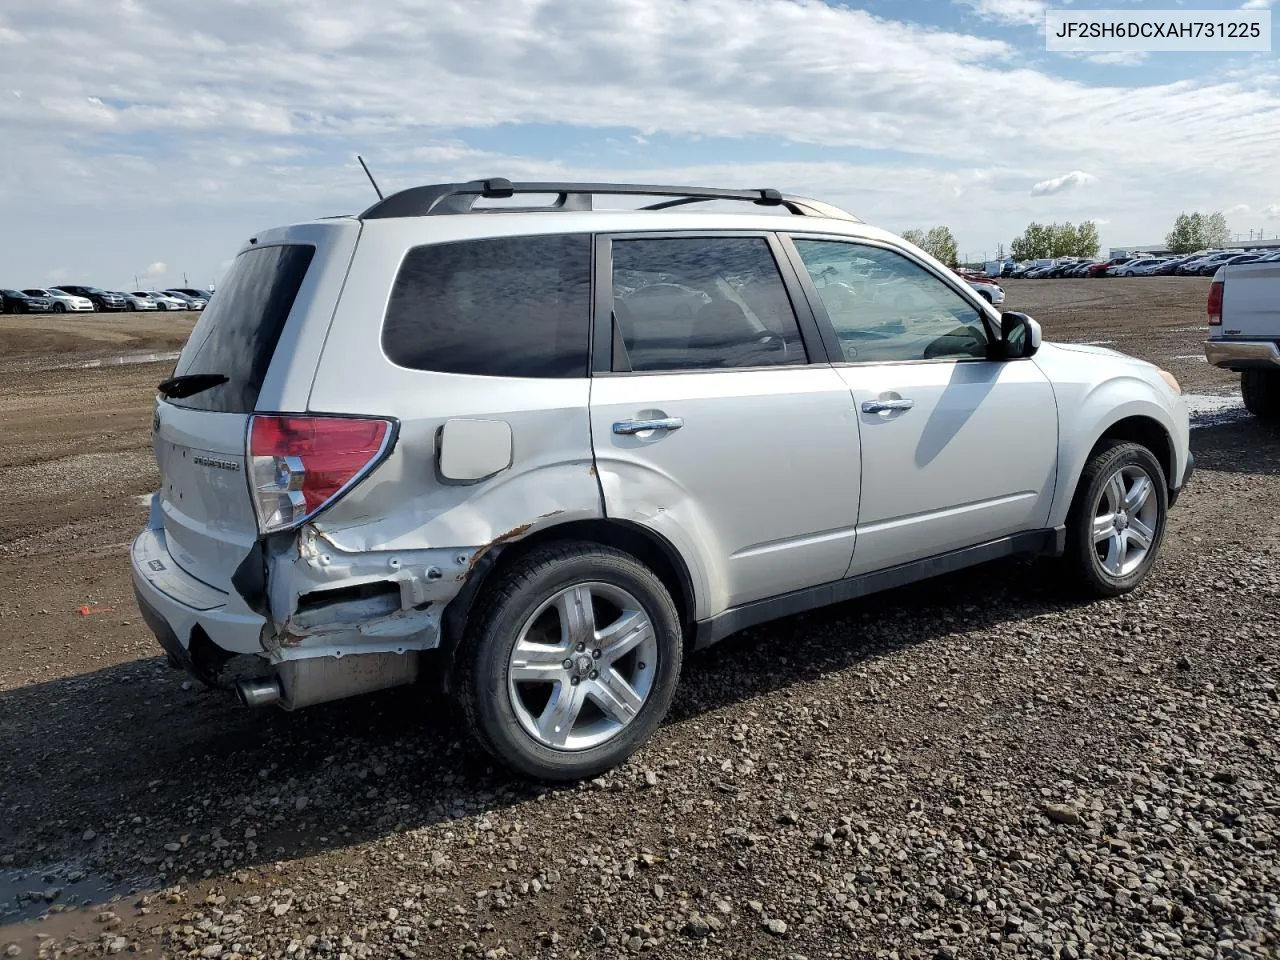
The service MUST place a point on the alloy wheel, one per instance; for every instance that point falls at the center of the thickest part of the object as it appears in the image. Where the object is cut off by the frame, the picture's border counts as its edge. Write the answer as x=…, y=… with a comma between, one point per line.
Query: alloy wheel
x=1125, y=517
x=582, y=667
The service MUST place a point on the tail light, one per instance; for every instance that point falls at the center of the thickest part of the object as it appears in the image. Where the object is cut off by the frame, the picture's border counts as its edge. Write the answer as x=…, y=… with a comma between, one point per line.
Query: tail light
x=300, y=465
x=1214, y=306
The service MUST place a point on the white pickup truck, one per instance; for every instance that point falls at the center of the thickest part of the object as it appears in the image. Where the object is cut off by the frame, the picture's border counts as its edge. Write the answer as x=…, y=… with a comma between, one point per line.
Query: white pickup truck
x=1244, y=331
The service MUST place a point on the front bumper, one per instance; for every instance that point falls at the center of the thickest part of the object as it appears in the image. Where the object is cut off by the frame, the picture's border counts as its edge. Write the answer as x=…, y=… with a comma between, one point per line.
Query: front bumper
x=1175, y=492
x=1243, y=354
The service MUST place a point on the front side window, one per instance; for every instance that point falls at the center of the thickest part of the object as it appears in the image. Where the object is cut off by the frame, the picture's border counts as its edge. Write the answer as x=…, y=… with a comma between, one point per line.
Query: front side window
x=885, y=307
x=506, y=307
x=701, y=303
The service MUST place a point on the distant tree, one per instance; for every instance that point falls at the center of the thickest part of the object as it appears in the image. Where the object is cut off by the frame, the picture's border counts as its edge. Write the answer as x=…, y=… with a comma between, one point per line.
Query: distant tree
x=1041, y=241
x=1062, y=242
x=1216, y=229
x=1087, y=243
x=941, y=244
x=1187, y=233
x=1196, y=231
x=1036, y=243
x=938, y=242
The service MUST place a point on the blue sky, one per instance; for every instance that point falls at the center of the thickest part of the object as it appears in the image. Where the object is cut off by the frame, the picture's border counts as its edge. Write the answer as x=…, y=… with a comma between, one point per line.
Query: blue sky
x=150, y=137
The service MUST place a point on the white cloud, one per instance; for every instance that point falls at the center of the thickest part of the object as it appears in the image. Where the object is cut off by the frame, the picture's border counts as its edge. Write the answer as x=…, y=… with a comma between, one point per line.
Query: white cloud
x=1258, y=4
x=1271, y=211
x=1068, y=181
x=1009, y=11
x=157, y=269
x=243, y=115
x=1118, y=58
x=1237, y=210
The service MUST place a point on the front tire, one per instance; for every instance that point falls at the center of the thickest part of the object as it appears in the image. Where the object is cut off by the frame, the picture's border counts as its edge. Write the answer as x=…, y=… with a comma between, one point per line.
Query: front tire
x=1261, y=391
x=1116, y=523
x=59, y=308
x=570, y=661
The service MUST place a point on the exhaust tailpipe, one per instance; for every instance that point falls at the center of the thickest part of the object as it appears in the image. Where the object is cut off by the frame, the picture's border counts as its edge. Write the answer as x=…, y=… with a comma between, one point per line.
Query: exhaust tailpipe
x=262, y=692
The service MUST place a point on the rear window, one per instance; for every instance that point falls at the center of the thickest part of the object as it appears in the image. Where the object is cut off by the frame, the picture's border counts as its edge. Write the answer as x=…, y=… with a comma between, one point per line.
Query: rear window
x=237, y=334
x=503, y=307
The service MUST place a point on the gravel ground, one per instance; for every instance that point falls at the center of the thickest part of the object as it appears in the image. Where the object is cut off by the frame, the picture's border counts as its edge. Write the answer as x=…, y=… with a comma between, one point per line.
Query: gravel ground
x=977, y=766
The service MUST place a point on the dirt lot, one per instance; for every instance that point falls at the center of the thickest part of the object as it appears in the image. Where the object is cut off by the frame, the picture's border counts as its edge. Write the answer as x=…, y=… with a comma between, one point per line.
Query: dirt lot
x=978, y=766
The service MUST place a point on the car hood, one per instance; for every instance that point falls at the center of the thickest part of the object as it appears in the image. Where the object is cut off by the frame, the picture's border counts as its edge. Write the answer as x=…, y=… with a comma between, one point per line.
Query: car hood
x=1098, y=351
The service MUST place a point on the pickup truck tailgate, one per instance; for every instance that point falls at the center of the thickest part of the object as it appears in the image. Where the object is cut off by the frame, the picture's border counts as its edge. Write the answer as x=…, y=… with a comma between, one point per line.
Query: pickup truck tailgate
x=1251, y=301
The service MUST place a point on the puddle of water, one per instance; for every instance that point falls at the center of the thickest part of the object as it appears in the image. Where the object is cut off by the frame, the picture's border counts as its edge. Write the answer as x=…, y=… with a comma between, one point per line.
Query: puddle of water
x=1211, y=409
x=124, y=360
x=30, y=893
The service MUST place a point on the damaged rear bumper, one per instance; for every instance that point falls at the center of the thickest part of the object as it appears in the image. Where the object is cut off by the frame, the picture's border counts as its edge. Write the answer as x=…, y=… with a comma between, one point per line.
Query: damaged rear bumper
x=169, y=596
x=330, y=599
x=323, y=621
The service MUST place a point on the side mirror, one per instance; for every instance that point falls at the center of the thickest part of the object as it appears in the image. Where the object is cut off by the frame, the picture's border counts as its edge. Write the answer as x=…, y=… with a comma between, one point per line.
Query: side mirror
x=1019, y=335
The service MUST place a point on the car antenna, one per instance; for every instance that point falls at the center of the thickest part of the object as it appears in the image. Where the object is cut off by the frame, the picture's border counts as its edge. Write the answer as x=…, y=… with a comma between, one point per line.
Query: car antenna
x=370, y=176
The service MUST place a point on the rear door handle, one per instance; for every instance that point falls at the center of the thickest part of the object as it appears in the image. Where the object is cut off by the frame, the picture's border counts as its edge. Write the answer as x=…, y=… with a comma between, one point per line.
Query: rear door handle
x=884, y=406
x=640, y=426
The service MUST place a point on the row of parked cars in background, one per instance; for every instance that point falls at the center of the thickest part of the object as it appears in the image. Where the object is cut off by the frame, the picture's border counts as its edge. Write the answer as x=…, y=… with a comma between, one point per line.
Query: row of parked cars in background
x=73, y=298
x=1203, y=263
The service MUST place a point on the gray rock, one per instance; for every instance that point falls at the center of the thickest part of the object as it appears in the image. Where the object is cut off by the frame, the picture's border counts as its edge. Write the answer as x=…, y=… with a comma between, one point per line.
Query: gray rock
x=696, y=928
x=1063, y=813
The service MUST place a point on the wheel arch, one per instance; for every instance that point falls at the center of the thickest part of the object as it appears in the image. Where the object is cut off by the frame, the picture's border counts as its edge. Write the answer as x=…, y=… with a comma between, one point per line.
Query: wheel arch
x=1148, y=432
x=1138, y=427
x=642, y=543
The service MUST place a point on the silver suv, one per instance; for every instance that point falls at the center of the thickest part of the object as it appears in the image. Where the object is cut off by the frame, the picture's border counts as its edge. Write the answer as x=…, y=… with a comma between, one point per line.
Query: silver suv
x=537, y=453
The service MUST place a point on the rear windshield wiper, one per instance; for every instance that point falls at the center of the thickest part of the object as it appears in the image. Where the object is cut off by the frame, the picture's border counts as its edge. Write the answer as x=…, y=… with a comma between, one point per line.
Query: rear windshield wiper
x=175, y=388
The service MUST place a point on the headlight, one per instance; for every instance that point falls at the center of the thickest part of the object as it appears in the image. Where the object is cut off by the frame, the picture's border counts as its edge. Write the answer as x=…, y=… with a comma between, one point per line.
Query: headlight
x=1171, y=380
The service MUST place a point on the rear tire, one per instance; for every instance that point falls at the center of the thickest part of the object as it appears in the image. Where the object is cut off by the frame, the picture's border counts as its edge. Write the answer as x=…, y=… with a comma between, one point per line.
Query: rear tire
x=1116, y=523
x=1261, y=391
x=553, y=722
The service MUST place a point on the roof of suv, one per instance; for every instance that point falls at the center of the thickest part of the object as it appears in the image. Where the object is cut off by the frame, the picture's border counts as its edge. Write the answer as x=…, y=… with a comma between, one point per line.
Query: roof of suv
x=437, y=199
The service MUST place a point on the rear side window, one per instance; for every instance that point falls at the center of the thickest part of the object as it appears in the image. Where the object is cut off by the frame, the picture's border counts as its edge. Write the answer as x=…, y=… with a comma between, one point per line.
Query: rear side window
x=237, y=333
x=504, y=307
x=701, y=303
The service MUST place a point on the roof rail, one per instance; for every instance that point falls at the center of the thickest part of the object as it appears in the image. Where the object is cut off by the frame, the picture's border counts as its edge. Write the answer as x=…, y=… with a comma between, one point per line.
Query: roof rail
x=445, y=198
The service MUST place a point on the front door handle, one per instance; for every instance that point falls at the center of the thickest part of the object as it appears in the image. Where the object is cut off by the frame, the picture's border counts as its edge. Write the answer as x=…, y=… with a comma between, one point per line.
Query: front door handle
x=884, y=406
x=641, y=426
